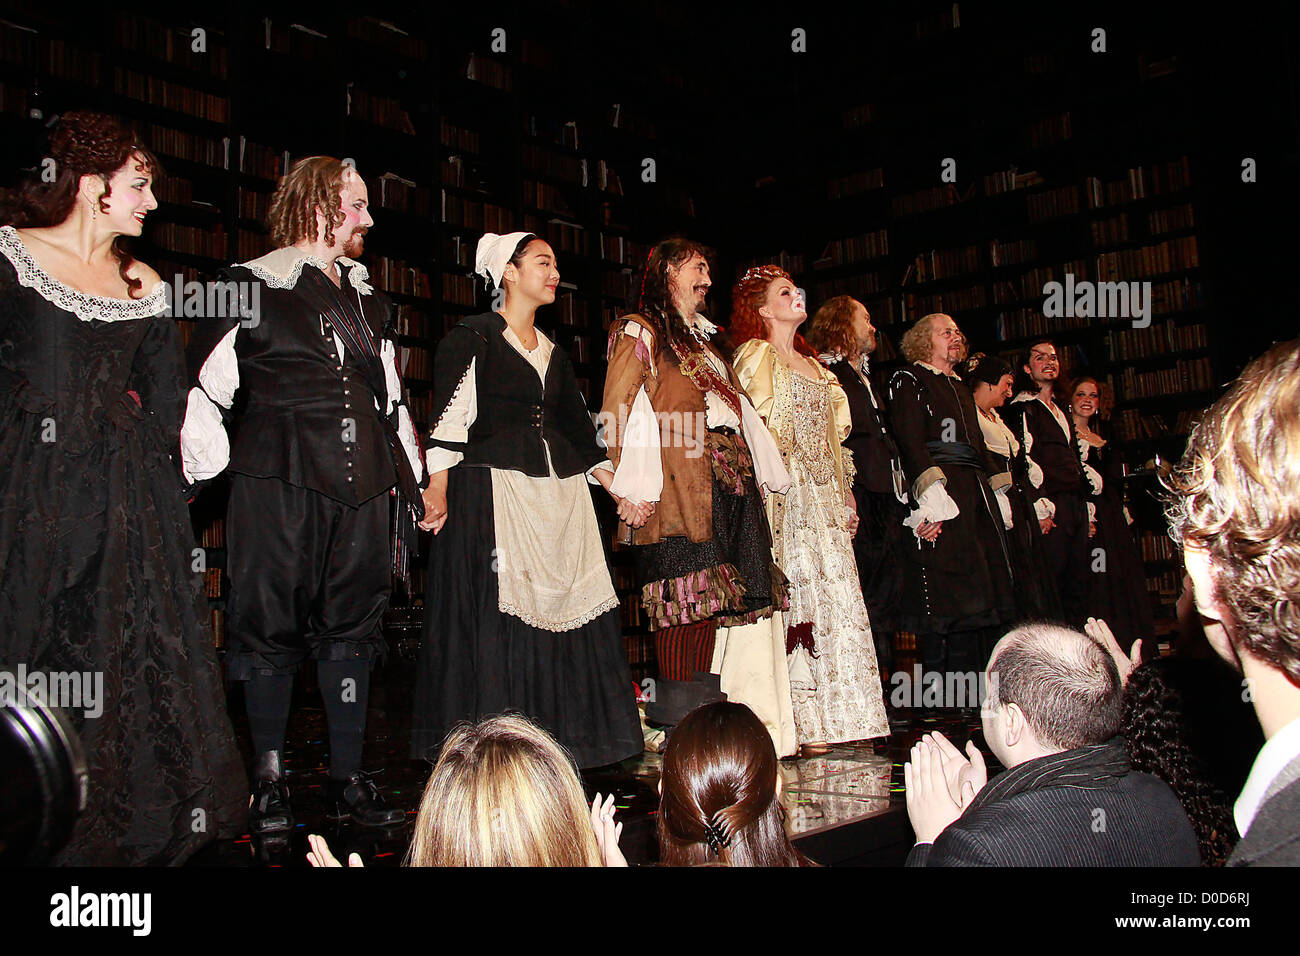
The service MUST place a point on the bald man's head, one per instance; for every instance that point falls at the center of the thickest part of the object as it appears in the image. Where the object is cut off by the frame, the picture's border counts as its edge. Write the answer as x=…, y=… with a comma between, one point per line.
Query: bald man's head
x=1064, y=683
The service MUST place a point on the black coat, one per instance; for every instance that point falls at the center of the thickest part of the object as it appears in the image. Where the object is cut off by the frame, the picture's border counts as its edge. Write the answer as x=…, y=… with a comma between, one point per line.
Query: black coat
x=1273, y=838
x=1082, y=807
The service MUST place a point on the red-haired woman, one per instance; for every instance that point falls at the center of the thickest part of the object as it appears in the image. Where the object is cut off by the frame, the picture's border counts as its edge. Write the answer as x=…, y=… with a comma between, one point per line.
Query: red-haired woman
x=834, y=677
x=95, y=538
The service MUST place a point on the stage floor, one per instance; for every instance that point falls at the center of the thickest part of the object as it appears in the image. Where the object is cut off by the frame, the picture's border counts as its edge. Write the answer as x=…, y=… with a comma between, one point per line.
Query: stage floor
x=844, y=808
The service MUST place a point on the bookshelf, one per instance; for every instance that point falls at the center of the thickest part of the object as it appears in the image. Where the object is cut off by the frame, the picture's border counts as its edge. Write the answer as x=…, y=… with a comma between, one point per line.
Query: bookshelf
x=453, y=140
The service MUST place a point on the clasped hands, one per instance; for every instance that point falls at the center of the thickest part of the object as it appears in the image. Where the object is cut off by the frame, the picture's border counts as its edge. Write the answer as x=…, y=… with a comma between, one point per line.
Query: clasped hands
x=941, y=783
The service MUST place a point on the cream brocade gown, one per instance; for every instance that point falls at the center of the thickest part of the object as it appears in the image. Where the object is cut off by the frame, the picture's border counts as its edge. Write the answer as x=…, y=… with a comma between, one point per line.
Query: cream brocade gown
x=836, y=691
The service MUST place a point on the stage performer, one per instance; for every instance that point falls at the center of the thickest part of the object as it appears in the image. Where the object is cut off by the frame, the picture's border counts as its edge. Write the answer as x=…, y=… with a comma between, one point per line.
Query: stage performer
x=844, y=337
x=520, y=612
x=1050, y=446
x=95, y=536
x=990, y=380
x=1117, y=578
x=307, y=373
x=834, y=678
x=683, y=433
x=957, y=578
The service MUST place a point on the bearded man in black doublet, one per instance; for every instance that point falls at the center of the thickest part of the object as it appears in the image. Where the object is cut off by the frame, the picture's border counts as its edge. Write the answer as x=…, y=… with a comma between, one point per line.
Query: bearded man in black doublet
x=307, y=378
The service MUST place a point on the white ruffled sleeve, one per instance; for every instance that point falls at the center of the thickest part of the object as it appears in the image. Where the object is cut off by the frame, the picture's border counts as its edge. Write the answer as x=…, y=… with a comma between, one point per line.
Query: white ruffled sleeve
x=640, y=474
x=934, y=504
x=769, y=470
x=205, y=446
x=454, y=424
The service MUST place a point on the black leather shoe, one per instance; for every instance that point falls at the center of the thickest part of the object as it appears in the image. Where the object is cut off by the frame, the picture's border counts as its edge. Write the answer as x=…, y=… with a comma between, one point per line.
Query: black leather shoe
x=358, y=798
x=270, y=812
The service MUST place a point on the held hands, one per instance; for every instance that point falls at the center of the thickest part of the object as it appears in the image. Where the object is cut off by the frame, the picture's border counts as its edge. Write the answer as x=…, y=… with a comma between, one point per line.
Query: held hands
x=1047, y=524
x=929, y=530
x=851, y=506
x=607, y=832
x=1100, y=632
x=634, y=514
x=435, y=503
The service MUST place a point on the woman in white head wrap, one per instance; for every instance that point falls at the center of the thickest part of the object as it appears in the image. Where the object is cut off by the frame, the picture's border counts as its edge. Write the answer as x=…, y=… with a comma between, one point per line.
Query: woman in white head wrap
x=520, y=611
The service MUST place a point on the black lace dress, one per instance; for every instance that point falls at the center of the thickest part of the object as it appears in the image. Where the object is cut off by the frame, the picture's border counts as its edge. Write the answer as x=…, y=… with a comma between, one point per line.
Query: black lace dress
x=95, y=557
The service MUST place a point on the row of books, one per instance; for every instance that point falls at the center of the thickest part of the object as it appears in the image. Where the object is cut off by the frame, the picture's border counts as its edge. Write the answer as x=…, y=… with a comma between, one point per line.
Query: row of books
x=566, y=237
x=458, y=290
x=623, y=250
x=870, y=245
x=414, y=362
x=950, y=301
x=381, y=110
x=396, y=275
x=473, y=214
x=413, y=321
x=1141, y=181
x=1171, y=219
x=1187, y=375
x=254, y=205
x=191, y=240
x=1157, y=547
x=252, y=245
x=855, y=183
x=547, y=197
x=563, y=166
x=924, y=200
x=943, y=263
x=572, y=309
x=1009, y=180
x=1006, y=253
x=459, y=250
x=171, y=96
x=489, y=72
x=560, y=132
x=190, y=146
x=1050, y=130
x=1158, y=339
x=859, y=286
x=1051, y=203
x=172, y=44
x=606, y=179
x=1109, y=232
x=1172, y=255
x=459, y=138
x=1133, y=425
x=397, y=192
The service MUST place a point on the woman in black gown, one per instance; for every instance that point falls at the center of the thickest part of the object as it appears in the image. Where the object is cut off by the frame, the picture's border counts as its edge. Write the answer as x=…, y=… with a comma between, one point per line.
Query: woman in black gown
x=95, y=538
x=520, y=611
x=991, y=380
x=1117, y=584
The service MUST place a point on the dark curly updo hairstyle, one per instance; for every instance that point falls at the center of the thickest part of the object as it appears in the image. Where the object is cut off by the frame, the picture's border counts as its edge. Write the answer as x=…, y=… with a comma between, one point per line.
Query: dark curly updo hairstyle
x=81, y=144
x=1153, y=728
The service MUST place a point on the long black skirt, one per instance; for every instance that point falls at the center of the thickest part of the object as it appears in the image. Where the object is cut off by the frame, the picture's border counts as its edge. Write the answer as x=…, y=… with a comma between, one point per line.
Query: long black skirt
x=476, y=661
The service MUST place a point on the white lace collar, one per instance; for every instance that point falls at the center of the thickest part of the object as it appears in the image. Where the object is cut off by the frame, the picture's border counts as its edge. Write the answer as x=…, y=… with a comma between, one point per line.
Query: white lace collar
x=698, y=323
x=280, y=269
x=938, y=371
x=81, y=304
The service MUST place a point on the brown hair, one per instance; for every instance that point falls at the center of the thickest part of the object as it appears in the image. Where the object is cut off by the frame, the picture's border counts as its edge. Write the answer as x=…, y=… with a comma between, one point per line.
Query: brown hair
x=81, y=144
x=1234, y=494
x=719, y=801
x=831, y=330
x=503, y=793
x=314, y=183
x=652, y=296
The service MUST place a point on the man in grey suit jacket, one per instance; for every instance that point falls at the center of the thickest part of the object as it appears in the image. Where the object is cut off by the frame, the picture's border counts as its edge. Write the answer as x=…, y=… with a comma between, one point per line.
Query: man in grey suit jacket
x=1236, y=512
x=1069, y=796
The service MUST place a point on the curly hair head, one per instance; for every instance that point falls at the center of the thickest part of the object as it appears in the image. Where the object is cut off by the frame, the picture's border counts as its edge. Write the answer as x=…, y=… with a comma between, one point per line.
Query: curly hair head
x=916, y=344
x=80, y=144
x=1152, y=725
x=652, y=295
x=1234, y=495
x=747, y=297
x=311, y=184
x=718, y=800
x=831, y=330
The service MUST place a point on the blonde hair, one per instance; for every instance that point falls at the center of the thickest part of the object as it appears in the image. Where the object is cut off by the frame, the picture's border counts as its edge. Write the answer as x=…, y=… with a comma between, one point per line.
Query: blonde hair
x=1235, y=496
x=503, y=793
x=313, y=183
x=916, y=344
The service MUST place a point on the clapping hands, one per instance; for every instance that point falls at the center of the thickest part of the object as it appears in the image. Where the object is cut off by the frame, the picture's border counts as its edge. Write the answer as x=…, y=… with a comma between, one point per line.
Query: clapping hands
x=941, y=783
x=607, y=832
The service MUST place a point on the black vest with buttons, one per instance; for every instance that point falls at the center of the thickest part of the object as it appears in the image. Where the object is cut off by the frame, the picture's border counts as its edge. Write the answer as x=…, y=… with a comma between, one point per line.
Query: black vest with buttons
x=514, y=415
x=302, y=414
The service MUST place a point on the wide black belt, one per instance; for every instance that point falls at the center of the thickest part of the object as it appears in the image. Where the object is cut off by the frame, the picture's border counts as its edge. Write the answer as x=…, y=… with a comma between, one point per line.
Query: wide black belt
x=954, y=453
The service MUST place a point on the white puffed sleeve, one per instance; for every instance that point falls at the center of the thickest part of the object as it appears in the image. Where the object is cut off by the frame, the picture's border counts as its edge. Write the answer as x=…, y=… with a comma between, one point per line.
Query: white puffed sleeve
x=454, y=424
x=205, y=446
x=640, y=474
